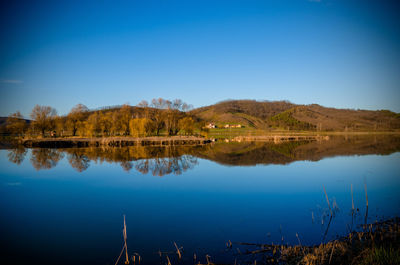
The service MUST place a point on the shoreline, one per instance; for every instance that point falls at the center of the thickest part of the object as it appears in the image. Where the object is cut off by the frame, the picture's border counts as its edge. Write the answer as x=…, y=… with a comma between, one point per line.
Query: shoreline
x=122, y=141
x=158, y=141
x=113, y=141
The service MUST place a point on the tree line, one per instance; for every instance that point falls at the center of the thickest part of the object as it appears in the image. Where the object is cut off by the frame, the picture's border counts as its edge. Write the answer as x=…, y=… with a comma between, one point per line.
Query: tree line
x=159, y=117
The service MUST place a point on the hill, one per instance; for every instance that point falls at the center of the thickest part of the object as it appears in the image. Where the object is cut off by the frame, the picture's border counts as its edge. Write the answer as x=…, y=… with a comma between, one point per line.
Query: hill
x=3, y=125
x=269, y=115
x=286, y=115
x=247, y=112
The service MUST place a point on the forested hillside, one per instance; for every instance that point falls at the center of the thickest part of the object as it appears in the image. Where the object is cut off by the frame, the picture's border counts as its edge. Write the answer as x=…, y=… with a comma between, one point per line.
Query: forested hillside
x=286, y=115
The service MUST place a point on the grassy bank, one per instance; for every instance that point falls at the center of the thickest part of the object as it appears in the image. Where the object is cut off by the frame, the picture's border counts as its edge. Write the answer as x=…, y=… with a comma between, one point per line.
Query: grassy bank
x=233, y=132
x=377, y=243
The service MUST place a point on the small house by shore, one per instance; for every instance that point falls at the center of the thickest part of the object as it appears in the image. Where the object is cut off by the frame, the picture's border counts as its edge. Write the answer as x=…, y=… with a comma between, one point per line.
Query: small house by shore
x=233, y=126
x=211, y=125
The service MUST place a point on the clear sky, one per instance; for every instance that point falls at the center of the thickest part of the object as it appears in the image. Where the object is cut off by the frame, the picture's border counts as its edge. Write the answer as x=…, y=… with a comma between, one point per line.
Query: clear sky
x=343, y=54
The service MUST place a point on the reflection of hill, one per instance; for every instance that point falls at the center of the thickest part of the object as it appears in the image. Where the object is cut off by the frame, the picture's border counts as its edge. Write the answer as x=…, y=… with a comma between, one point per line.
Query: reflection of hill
x=253, y=153
x=173, y=159
x=163, y=160
x=355, y=145
x=247, y=153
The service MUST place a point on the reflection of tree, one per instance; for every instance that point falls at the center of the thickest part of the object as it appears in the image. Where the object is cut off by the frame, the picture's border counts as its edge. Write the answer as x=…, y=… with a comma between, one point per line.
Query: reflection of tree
x=173, y=159
x=166, y=165
x=78, y=161
x=45, y=158
x=17, y=155
x=126, y=165
x=160, y=160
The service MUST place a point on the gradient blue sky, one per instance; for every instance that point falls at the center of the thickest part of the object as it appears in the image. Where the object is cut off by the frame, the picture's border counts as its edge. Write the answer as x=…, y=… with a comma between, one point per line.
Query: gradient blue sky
x=342, y=54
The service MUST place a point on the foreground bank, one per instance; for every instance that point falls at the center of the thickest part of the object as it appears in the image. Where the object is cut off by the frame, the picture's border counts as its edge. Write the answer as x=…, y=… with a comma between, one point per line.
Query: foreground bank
x=376, y=243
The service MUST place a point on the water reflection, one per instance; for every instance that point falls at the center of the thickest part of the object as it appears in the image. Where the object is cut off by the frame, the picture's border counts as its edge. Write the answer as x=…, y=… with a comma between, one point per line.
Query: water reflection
x=126, y=166
x=80, y=162
x=45, y=158
x=17, y=155
x=164, y=160
x=241, y=204
x=254, y=153
x=158, y=161
x=167, y=165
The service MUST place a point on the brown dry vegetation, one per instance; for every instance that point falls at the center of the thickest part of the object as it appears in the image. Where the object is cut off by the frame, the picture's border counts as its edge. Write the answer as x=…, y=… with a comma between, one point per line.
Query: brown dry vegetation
x=377, y=243
x=285, y=115
x=164, y=117
x=160, y=117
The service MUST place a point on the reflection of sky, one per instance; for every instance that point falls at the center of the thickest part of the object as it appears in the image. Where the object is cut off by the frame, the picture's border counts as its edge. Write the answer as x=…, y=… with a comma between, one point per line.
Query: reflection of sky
x=80, y=213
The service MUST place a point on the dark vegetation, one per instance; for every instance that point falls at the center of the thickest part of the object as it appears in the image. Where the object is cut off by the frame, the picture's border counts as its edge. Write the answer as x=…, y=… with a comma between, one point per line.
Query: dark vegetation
x=376, y=243
x=168, y=118
x=286, y=119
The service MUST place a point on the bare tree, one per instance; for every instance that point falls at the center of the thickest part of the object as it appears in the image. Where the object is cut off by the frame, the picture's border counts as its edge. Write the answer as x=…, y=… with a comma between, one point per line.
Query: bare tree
x=43, y=118
x=125, y=115
x=76, y=117
x=158, y=104
x=143, y=104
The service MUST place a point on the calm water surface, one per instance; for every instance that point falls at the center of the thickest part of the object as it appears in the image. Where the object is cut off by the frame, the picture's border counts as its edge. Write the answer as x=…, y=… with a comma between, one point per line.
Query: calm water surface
x=66, y=206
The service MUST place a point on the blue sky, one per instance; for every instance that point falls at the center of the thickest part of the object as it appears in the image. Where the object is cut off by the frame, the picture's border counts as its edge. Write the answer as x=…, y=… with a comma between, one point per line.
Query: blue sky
x=343, y=54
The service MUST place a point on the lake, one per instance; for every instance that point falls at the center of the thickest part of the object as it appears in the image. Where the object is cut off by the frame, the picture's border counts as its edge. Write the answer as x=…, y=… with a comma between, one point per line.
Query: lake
x=66, y=206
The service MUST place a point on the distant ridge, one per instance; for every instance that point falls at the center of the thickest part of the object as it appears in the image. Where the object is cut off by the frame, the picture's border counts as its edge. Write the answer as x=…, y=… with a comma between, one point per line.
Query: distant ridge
x=287, y=115
x=3, y=121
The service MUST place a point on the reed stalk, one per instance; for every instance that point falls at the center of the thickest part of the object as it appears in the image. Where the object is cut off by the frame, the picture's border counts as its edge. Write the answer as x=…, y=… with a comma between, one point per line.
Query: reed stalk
x=297, y=235
x=327, y=200
x=352, y=200
x=208, y=259
x=178, y=251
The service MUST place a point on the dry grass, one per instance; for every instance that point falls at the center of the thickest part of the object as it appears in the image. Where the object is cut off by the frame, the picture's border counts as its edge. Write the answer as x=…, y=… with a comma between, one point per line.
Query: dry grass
x=379, y=243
